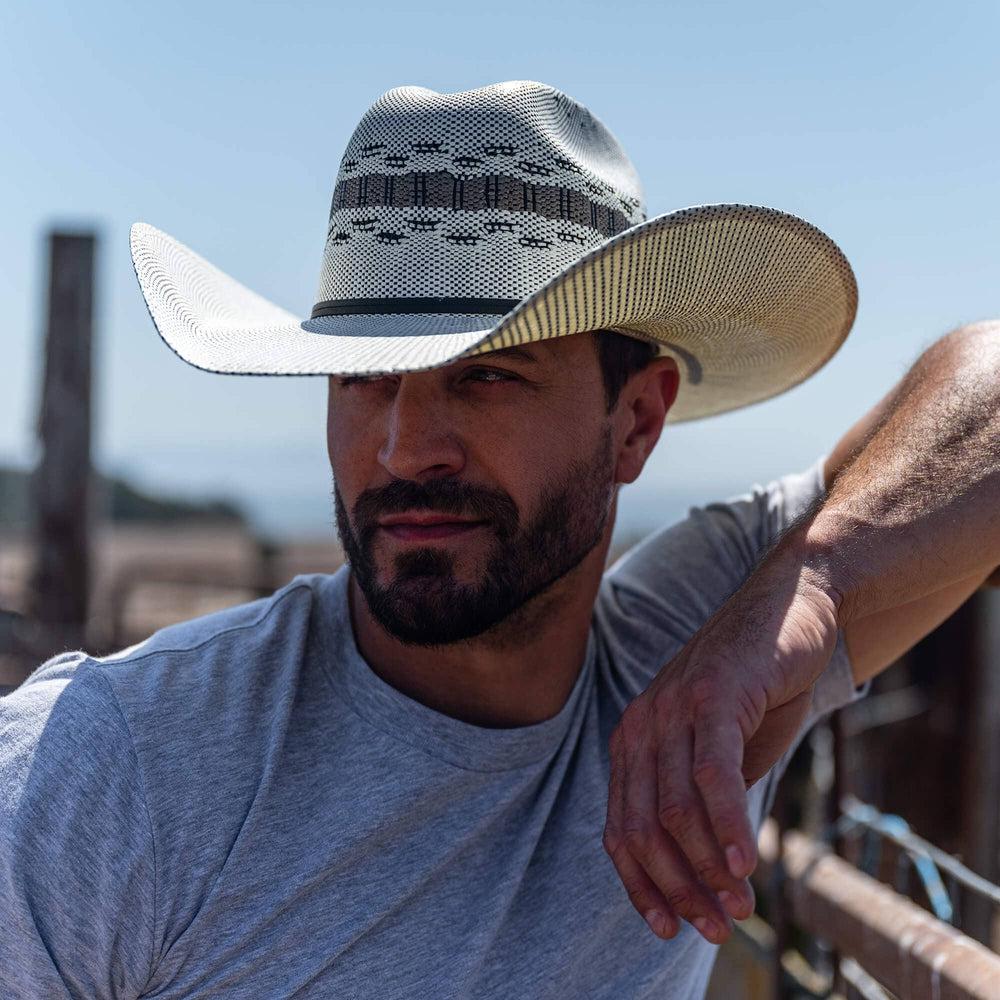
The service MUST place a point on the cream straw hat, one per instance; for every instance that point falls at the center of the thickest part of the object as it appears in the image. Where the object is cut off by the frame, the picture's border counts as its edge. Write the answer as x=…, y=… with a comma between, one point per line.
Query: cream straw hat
x=462, y=223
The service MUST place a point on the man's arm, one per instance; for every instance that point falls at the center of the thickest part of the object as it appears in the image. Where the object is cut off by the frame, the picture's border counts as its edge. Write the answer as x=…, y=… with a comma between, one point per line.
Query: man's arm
x=875, y=641
x=909, y=526
x=77, y=863
x=918, y=508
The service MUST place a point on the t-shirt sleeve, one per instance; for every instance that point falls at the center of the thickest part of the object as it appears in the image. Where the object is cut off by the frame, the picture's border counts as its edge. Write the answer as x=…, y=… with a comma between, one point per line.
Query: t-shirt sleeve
x=76, y=853
x=670, y=584
x=688, y=569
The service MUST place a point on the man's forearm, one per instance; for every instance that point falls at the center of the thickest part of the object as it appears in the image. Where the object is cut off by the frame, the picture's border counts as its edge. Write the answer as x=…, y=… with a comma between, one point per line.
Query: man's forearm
x=919, y=506
x=915, y=510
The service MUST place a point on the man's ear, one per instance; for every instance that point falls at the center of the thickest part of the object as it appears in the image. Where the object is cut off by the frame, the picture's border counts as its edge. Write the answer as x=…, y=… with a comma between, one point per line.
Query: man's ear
x=642, y=407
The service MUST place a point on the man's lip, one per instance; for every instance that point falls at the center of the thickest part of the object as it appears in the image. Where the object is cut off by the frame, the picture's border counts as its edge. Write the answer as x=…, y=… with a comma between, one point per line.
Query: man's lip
x=411, y=531
x=424, y=520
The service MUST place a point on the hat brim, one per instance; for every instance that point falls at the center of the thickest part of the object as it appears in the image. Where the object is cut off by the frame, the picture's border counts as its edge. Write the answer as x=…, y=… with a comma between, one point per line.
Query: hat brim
x=749, y=300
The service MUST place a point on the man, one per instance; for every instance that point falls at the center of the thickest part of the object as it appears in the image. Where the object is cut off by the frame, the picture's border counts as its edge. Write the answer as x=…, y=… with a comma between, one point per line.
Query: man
x=472, y=762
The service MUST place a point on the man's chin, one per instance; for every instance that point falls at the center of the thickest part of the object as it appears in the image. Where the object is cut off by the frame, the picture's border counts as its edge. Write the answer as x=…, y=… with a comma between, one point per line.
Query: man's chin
x=421, y=590
x=427, y=624
x=429, y=610
x=427, y=572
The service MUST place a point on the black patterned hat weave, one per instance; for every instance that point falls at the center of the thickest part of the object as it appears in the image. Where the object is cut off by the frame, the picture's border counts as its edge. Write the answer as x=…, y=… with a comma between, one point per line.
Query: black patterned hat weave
x=478, y=198
x=462, y=223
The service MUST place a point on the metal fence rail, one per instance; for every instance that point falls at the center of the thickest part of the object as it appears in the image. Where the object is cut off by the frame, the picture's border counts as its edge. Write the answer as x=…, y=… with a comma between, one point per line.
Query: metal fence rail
x=899, y=944
x=927, y=859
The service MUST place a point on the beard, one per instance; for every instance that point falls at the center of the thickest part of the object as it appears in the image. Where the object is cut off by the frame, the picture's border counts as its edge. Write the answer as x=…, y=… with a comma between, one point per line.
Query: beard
x=424, y=604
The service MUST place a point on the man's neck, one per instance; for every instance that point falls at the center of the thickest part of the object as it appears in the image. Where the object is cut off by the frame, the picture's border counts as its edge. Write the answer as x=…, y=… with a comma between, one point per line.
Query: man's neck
x=519, y=673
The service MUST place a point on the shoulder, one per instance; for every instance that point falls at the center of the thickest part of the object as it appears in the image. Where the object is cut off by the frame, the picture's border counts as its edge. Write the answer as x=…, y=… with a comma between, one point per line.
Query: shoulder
x=245, y=626
x=204, y=680
x=103, y=761
x=63, y=739
x=213, y=657
x=64, y=713
x=687, y=569
x=77, y=862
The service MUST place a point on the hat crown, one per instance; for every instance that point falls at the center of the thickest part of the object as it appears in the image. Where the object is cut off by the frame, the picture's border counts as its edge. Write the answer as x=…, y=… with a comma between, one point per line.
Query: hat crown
x=479, y=195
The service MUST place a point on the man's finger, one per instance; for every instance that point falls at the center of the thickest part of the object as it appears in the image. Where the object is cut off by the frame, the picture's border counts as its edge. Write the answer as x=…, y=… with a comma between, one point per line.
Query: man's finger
x=661, y=858
x=717, y=772
x=644, y=895
x=682, y=816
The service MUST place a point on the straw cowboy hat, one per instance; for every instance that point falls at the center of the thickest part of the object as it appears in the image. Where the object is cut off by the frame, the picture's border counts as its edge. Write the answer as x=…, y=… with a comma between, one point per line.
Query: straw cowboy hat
x=463, y=223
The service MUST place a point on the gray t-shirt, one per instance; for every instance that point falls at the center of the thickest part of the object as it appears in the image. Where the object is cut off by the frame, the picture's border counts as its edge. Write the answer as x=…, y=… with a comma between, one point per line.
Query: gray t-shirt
x=239, y=807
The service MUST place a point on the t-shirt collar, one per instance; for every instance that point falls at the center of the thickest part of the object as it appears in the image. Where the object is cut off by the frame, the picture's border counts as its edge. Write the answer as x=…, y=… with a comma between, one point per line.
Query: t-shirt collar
x=463, y=744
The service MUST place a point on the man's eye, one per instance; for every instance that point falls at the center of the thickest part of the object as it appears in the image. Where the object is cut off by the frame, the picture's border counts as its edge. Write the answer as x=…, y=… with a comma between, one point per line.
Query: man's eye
x=490, y=375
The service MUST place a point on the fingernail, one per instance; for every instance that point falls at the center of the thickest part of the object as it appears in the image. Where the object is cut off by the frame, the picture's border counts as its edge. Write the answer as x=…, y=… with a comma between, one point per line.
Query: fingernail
x=734, y=858
x=706, y=928
x=656, y=922
x=728, y=901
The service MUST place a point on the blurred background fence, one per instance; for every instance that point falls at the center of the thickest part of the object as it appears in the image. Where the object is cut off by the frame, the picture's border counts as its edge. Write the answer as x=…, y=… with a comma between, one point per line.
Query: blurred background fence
x=88, y=561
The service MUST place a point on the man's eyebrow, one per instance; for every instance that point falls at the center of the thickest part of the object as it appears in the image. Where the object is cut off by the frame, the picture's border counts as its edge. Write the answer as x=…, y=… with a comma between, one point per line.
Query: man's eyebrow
x=511, y=352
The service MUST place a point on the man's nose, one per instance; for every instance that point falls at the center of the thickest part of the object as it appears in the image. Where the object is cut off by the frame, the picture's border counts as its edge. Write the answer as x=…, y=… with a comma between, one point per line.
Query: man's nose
x=421, y=440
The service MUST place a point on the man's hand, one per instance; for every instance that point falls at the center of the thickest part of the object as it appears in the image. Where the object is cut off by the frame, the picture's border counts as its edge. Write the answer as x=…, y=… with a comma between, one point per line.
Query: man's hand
x=712, y=722
x=912, y=512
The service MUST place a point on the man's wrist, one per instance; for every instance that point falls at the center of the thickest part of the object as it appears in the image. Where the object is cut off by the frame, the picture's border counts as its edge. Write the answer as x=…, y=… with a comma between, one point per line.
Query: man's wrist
x=812, y=553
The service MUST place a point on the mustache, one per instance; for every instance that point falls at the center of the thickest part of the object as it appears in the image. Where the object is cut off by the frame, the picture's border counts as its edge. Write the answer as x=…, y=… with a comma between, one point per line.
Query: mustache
x=440, y=496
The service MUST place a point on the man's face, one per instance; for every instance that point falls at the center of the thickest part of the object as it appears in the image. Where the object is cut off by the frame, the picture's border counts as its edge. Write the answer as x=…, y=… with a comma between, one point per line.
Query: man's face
x=462, y=492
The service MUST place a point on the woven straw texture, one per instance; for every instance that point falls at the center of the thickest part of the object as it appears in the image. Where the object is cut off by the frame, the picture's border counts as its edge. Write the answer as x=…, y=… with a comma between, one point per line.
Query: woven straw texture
x=485, y=193
x=515, y=198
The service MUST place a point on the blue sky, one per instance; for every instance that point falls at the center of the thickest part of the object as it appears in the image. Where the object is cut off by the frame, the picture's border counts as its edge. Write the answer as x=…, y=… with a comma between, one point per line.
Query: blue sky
x=223, y=123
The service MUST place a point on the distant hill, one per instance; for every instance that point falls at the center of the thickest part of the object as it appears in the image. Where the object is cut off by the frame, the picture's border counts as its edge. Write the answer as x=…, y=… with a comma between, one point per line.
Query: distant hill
x=115, y=500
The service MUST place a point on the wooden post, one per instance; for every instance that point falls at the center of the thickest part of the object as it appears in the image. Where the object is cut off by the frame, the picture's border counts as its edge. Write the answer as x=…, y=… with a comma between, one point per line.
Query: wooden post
x=62, y=480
